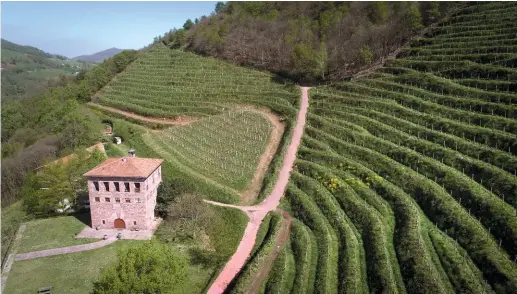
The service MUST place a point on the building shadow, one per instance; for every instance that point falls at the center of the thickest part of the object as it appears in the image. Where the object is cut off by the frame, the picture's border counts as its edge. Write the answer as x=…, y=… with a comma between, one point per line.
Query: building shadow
x=84, y=217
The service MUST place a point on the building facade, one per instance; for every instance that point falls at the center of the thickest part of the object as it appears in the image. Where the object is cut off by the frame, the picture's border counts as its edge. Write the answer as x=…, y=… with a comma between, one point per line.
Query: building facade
x=122, y=192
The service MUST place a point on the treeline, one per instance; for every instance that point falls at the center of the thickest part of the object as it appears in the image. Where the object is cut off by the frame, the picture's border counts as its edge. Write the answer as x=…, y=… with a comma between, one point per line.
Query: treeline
x=306, y=40
x=53, y=123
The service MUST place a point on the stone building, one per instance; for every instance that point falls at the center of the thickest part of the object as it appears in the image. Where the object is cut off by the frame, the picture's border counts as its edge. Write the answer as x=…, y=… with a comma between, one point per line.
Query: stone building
x=122, y=192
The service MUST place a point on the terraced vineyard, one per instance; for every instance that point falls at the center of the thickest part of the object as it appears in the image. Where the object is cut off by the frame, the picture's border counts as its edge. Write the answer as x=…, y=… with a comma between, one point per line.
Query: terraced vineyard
x=171, y=83
x=221, y=151
x=406, y=179
x=225, y=148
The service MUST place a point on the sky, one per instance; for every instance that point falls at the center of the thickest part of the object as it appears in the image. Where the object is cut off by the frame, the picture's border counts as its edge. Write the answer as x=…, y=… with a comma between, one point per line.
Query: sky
x=77, y=28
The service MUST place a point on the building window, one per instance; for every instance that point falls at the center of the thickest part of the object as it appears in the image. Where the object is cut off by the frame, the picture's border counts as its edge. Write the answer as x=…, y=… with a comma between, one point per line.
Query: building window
x=103, y=222
x=137, y=187
x=117, y=199
x=146, y=187
x=107, y=199
x=97, y=199
x=126, y=187
x=107, y=186
x=134, y=223
x=153, y=179
x=96, y=184
x=128, y=200
x=138, y=200
x=117, y=186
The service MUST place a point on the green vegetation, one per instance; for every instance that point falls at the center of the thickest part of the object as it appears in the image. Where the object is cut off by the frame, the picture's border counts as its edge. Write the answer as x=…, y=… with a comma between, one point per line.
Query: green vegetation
x=405, y=181
x=208, y=148
x=246, y=276
x=172, y=83
x=142, y=269
x=54, y=188
x=72, y=273
x=52, y=124
x=52, y=233
x=12, y=217
x=27, y=71
x=315, y=41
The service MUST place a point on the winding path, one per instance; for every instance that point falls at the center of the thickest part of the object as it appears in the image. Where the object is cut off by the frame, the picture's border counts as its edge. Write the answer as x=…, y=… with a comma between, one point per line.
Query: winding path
x=257, y=213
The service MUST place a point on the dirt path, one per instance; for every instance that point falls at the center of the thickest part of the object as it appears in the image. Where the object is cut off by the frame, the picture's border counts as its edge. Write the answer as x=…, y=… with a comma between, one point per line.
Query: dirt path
x=65, y=250
x=251, y=193
x=257, y=213
x=179, y=121
x=280, y=240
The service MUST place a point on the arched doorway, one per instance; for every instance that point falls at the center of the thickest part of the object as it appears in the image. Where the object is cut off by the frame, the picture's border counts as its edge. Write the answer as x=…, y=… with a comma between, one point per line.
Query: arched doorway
x=120, y=224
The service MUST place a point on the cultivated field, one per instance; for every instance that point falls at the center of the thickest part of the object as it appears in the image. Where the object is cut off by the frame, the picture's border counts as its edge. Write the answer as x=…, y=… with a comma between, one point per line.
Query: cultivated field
x=225, y=148
x=406, y=179
x=171, y=83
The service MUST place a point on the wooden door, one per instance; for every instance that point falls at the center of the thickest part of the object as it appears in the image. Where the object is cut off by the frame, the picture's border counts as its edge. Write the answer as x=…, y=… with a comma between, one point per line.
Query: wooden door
x=120, y=224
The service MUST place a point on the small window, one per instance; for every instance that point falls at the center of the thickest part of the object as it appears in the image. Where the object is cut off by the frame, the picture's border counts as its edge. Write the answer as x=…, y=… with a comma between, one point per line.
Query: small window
x=137, y=187
x=117, y=199
x=97, y=199
x=107, y=199
x=103, y=222
x=146, y=187
x=138, y=200
x=126, y=187
x=134, y=223
x=107, y=186
x=128, y=200
x=96, y=184
x=153, y=179
x=117, y=186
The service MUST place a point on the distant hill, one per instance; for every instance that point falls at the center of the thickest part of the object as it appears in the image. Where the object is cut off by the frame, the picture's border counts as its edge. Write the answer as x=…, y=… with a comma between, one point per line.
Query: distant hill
x=99, y=56
x=27, y=70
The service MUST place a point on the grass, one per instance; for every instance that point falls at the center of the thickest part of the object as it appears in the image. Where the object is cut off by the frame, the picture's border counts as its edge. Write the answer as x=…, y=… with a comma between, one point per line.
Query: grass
x=52, y=233
x=76, y=272
x=69, y=273
x=12, y=217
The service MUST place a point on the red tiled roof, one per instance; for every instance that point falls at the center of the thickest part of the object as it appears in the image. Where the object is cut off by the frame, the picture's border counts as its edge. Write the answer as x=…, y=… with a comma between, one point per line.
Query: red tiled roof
x=129, y=167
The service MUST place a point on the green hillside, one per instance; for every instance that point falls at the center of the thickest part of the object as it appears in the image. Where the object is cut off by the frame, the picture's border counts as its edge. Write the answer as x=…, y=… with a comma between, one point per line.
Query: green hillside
x=27, y=70
x=406, y=177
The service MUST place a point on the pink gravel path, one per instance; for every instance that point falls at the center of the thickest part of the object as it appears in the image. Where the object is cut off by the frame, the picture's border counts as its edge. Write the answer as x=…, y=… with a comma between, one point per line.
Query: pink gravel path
x=257, y=213
x=65, y=250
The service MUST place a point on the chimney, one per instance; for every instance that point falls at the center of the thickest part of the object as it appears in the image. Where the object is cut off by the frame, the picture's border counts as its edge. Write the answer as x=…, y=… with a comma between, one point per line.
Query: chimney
x=131, y=153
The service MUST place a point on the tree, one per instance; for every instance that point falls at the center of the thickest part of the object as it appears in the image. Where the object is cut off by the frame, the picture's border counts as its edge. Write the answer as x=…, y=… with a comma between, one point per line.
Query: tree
x=188, y=24
x=366, y=55
x=379, y=12
x=414, y=18
x=43, y=193
x=219, y=7
x=433, y=11
x=149, y=268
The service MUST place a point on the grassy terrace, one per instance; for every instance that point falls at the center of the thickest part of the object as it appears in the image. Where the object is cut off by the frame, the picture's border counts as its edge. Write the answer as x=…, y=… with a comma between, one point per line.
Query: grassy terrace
x=406, y=179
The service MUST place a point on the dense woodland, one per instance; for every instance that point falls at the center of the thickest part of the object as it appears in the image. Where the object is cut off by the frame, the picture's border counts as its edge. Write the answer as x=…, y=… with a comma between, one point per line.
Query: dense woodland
x=306, y=40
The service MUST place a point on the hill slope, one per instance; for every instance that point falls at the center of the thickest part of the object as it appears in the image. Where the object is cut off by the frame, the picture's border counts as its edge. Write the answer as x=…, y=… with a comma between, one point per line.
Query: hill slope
x=99, y=56
x=28, y=70
x=307, y=40
x=406, y=178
